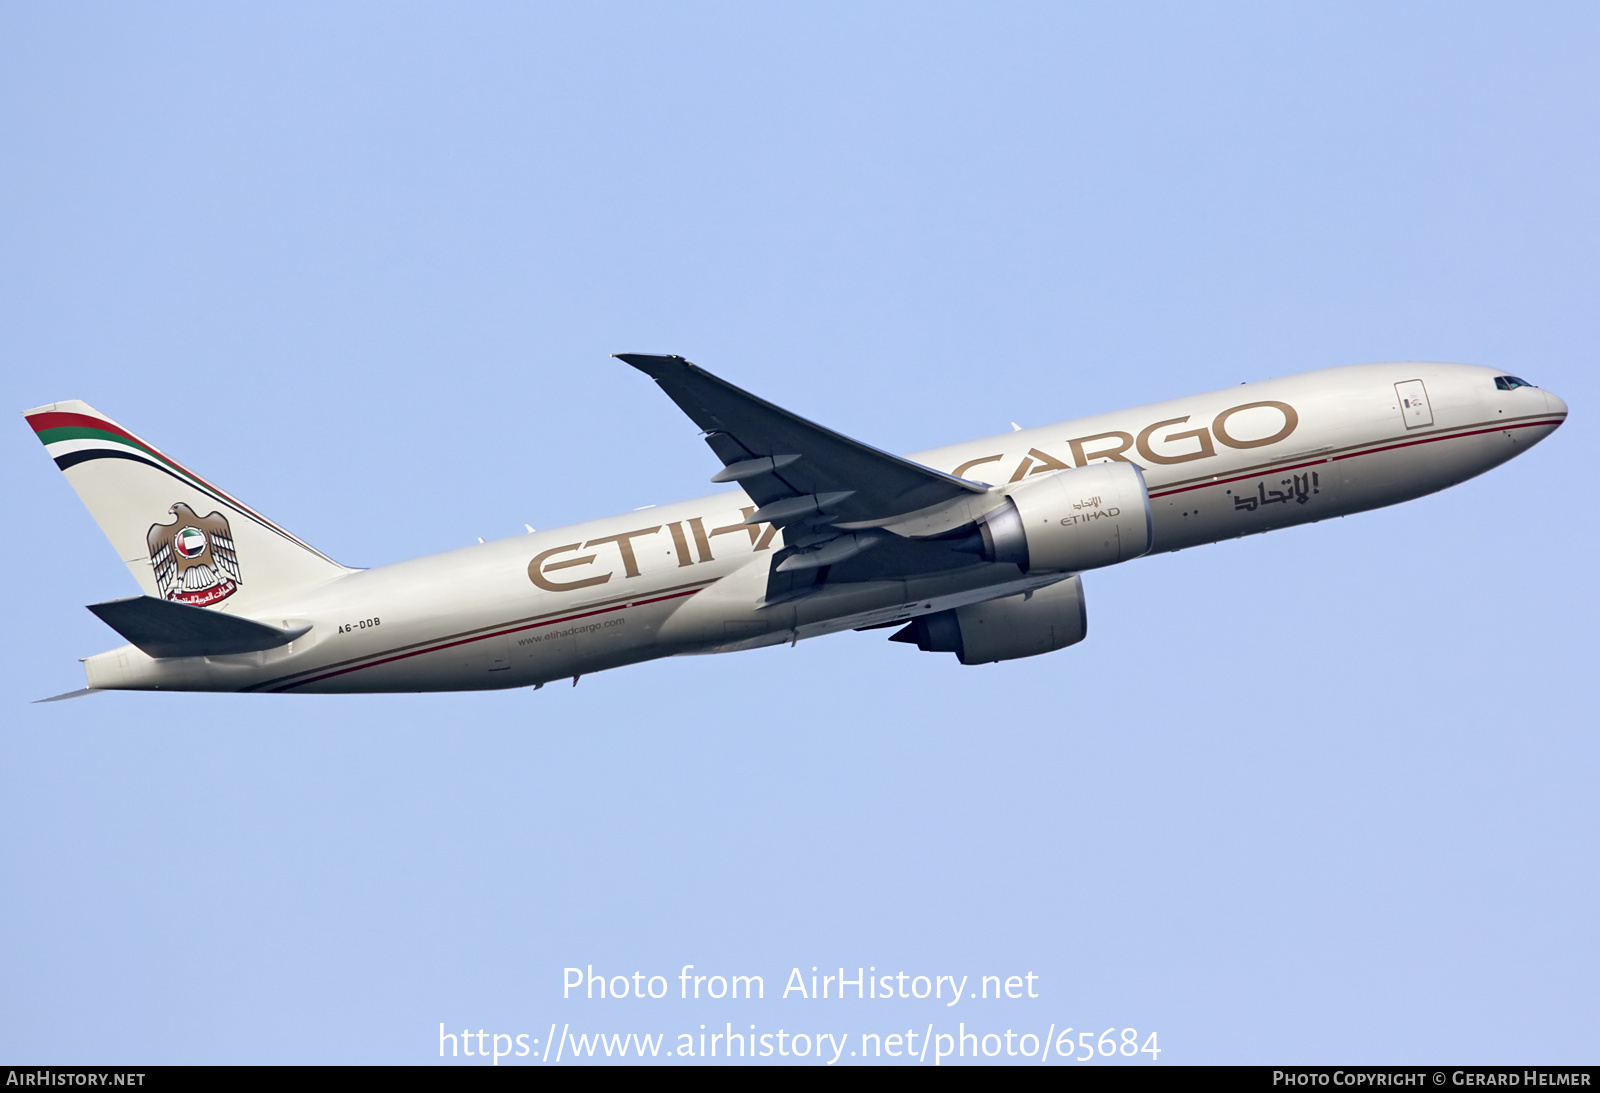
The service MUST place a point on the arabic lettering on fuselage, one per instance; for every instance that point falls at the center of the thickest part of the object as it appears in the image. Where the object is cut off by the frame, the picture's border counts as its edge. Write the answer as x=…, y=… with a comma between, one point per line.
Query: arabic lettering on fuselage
x=1297, y=488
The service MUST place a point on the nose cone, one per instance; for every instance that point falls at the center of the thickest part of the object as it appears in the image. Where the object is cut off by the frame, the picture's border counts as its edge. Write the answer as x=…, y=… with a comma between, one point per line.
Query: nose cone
x=1553, y=404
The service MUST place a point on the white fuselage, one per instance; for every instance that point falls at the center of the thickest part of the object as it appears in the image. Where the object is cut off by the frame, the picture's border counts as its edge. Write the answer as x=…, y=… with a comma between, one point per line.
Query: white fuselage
x=690, y=577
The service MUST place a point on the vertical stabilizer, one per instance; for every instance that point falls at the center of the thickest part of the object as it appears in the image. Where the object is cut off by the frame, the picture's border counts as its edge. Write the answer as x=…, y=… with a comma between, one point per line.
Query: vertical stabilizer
x=182, y=538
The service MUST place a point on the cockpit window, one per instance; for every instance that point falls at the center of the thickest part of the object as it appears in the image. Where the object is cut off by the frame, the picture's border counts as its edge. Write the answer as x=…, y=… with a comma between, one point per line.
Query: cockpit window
x=1510, y=383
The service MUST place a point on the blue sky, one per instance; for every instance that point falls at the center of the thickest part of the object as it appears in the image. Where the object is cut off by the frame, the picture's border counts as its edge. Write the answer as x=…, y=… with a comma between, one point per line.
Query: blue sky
x=1324, y=795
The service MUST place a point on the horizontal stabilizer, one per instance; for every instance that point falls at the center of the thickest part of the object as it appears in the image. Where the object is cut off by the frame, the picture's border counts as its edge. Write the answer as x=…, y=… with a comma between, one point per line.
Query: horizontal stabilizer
x=165, y=628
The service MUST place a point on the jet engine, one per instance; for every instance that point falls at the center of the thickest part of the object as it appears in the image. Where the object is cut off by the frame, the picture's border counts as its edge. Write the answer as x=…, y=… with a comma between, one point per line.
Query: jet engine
x=1023, y=625
x=1072, y=520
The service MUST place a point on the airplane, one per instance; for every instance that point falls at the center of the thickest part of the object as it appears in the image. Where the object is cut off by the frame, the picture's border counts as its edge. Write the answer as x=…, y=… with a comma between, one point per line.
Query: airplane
x=975, y=549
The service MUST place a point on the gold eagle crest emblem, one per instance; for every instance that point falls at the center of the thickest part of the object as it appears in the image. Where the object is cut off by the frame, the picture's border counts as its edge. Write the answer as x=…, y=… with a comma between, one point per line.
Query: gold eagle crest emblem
x=194, y=557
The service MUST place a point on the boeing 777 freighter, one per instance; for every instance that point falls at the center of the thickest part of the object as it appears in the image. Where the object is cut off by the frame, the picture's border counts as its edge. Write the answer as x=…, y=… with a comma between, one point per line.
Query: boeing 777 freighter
x=974, y=549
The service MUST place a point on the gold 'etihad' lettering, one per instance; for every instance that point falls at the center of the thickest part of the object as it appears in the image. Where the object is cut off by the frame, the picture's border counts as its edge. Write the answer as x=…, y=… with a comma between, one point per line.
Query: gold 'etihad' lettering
x=1085, y=450
x=544, y=563
x=759, y=540
x=539, y=567
x=624, y=541
x=680, y=544
x=1200, y=436
x=734, y=529
x=701, y=543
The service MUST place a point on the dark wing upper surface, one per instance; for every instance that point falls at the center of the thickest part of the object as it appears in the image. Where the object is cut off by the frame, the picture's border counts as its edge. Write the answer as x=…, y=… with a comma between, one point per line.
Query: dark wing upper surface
x=781, y=459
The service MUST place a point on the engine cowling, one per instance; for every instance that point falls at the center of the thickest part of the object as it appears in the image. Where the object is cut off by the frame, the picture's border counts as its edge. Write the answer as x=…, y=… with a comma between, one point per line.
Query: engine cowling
x=1024, y=625
x=1072, y=520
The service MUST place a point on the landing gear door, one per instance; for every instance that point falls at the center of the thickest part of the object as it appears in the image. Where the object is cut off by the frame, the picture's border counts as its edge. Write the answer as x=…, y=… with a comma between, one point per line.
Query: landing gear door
x=1414, y=406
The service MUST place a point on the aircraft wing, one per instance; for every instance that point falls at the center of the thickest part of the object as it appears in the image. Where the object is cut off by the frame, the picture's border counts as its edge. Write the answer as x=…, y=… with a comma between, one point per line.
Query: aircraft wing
x=828, y=492
x=794, y=469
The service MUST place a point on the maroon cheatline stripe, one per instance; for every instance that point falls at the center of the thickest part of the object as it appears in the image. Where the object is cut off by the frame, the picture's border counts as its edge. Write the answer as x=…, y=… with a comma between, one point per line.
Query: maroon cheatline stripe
x=482, y=637
x=1270, y=469
x=428, y=645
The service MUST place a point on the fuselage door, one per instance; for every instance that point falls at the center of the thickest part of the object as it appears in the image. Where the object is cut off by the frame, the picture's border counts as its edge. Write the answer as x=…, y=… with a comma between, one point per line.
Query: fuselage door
x=1414, y=408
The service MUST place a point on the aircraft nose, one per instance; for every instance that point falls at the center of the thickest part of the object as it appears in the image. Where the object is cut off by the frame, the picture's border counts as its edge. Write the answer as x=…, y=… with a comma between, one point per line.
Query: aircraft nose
x=1554, y=404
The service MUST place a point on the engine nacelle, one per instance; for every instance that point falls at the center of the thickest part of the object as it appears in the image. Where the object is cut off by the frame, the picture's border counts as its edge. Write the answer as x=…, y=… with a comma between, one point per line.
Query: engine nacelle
x=1073, y=520
x=1023, y=625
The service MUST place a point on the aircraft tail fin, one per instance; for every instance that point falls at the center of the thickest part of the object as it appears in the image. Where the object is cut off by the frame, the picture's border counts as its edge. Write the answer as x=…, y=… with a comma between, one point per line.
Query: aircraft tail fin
x=182, y=538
